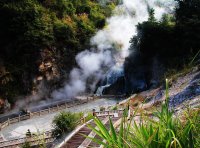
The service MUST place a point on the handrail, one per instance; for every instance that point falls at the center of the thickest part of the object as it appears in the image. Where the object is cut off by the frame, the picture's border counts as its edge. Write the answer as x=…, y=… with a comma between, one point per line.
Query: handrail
x=32, y=139
x=57, y=107
x=110, y=111
x=48, y=134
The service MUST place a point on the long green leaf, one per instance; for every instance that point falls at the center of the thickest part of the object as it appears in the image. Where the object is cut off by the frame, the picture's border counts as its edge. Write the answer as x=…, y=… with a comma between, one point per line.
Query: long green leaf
x=113, y=133
x=120, y=137
x=95, y=140
x=102, y=128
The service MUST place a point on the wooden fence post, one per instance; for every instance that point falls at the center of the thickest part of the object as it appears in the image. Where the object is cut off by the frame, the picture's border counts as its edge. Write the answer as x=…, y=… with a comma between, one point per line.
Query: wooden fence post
x=8, y=121
x=93, y=112
x=29, y=115
x=49, y=110
x=19, y=118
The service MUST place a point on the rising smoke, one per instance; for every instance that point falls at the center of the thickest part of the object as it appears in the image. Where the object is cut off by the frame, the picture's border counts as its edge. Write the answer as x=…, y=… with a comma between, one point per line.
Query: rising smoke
x=120, y=28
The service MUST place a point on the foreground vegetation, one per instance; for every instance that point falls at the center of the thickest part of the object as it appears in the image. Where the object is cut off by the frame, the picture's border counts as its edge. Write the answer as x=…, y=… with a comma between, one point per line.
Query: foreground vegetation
x=65, y=122
x=38, y=32
x=163, y=129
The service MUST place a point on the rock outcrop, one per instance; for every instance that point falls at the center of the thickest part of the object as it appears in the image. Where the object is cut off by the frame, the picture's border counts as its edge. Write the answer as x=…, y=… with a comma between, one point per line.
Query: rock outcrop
x=185, y=88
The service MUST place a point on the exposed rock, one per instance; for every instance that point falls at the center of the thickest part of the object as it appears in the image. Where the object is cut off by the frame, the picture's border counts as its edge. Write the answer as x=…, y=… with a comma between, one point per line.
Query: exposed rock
x=4, y=105
x=48, y=66
x=189, y=88
x=183, y=89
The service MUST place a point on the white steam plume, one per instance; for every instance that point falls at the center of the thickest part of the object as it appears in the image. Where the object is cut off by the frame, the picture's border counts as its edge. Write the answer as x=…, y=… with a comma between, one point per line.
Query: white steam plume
x=90, y=64
x=120, y=28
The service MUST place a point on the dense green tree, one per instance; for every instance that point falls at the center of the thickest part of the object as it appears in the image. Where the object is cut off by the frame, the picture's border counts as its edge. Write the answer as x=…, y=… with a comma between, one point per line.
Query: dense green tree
x=171, y=42
x=171, y=37
x=60, y=7
x=187, y=24
x=151, y=15
x=26, y=28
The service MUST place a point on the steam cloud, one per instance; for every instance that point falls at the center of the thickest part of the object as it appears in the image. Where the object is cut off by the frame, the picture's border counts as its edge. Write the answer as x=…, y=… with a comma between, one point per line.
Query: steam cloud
x=120, y=28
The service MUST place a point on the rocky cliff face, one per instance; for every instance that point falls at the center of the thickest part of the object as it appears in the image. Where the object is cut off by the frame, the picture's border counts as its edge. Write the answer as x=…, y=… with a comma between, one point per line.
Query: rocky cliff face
x=185, y=88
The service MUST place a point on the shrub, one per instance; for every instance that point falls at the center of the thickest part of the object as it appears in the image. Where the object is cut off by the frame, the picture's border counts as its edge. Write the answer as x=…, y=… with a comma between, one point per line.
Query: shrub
x=26, y=145
x=102, y=108
x=65, y=122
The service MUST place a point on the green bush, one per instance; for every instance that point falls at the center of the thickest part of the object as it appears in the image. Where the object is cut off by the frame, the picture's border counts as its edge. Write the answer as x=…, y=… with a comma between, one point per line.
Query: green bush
x=65, y=122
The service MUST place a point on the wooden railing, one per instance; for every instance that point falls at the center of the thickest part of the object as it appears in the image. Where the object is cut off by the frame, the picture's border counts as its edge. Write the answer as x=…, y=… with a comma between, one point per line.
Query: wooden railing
x=55, y=108
x=58, y=107
x=108, y=113
x=111, y=96
x=33, y=140
x=100, y=114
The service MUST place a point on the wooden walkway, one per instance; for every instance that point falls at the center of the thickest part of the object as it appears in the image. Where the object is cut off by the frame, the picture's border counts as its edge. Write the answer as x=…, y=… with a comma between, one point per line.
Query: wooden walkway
x=77, y=140
x=56, y=107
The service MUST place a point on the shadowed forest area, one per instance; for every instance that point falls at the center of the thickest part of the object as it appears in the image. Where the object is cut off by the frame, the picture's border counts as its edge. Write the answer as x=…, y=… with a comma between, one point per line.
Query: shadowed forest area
x=164, y=46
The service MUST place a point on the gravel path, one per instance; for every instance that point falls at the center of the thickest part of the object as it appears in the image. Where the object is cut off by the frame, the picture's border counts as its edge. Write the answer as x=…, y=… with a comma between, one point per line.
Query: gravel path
x=43, y=123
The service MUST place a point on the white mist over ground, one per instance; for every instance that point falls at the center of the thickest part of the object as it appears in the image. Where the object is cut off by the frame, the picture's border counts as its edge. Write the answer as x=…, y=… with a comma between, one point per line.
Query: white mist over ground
x=120, y=28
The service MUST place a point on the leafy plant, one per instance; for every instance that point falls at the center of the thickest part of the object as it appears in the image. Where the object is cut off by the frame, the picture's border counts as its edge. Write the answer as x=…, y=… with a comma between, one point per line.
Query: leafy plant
x=65, y=122
x=88, y=117
x=40, y=138
x=115, y=107
x=26, y=145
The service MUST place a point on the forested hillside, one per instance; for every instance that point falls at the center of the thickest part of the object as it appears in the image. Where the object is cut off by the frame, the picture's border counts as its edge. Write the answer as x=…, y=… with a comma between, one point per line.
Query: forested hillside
x=40, y=38
x=163, y=46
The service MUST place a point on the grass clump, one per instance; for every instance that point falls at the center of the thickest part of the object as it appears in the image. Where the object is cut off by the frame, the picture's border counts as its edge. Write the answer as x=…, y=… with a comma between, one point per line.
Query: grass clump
x=160, y=130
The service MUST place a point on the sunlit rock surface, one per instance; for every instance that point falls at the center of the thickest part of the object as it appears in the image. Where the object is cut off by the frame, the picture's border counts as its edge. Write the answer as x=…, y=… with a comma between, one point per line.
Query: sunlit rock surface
x=183, y=89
